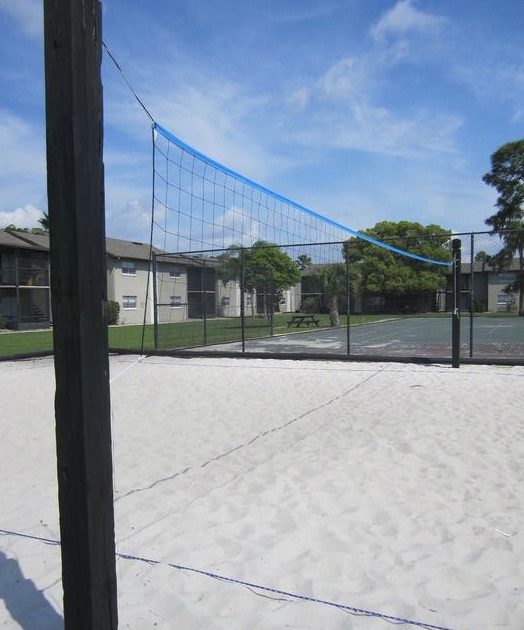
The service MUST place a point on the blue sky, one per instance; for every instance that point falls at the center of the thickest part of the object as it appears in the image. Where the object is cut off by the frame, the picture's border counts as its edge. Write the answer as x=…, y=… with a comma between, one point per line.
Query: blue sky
x=362, y=110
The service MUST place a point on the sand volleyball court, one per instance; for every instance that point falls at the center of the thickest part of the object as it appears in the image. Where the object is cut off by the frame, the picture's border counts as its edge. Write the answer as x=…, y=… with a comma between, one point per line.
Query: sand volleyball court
x=393, y=490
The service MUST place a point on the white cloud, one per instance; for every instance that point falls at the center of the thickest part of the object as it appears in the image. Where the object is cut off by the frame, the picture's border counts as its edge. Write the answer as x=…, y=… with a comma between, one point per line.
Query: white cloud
x=211, y=112
x=131, y=221
x=235, y=226
x=302, y=13
x=493, y=83
x=344, y=109
x=404, y=18
x=348, y=78
x=22, y=163
x=27, y=14
x=22, y=147
x=298, y=99
x=26, y=217
x=377, y=130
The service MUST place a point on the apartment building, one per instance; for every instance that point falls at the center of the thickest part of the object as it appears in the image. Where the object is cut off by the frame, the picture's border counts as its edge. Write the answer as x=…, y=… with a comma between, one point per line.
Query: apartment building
x=186, y=287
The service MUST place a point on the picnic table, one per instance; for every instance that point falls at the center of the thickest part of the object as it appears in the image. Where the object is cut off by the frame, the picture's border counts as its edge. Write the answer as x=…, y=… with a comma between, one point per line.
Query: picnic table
x=301, y=319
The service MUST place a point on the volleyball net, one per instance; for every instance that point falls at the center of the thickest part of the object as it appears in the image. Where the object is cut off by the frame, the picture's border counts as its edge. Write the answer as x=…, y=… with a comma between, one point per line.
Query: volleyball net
x=234, y=258
x=200, y=204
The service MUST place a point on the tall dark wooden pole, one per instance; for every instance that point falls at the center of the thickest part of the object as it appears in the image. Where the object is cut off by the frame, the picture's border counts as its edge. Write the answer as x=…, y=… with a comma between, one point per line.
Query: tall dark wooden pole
x=75, y=178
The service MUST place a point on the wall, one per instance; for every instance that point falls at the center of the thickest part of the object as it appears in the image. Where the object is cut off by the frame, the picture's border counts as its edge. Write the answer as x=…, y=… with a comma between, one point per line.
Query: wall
x=171, y=283
x=498, y=301
x=131, y=285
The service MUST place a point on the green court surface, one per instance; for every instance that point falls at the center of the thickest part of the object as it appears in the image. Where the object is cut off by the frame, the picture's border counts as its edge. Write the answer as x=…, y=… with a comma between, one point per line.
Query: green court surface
x=490, y=337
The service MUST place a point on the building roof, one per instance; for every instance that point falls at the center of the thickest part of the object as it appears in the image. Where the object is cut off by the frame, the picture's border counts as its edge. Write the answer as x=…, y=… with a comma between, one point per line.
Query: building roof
x=40, y=241
x=118, y=248
x=24, y=240
x=479, y=267
x=115, y=247
x=133, y=250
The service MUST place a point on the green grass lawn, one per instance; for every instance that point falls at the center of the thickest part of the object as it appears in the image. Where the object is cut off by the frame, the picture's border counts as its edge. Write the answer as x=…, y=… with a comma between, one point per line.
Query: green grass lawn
x=23, y=342
x=186, y=334
x=175, y=335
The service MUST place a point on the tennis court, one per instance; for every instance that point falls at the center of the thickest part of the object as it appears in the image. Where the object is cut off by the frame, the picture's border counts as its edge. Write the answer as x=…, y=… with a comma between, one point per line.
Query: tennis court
x=489, y=337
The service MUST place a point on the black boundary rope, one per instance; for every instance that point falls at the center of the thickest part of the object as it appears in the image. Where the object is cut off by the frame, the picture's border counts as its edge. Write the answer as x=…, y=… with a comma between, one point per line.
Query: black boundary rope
x=257, y=587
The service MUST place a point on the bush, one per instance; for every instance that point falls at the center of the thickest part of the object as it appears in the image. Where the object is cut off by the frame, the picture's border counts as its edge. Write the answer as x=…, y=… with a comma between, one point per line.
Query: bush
x=310, y=305
x=479, y=306
x=113, y=312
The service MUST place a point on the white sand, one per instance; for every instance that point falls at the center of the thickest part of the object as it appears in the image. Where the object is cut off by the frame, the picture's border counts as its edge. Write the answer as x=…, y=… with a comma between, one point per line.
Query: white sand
x=392, y=488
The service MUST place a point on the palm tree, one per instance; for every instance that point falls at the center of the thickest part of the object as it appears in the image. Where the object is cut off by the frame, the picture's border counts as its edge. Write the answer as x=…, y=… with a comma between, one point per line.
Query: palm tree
x=44, y=221
x=303, y=262
x=333, y=279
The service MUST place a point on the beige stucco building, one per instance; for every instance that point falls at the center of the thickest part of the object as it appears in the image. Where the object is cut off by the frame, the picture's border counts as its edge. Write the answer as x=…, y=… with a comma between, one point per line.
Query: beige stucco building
x=489, y=287
x=186, y=287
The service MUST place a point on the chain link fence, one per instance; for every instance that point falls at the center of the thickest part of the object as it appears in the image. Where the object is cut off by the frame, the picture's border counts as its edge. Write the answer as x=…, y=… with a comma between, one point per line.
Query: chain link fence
x=348, y=299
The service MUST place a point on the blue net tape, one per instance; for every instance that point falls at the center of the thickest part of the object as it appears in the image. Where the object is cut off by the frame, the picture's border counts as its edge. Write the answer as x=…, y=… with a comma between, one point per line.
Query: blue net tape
x=227, y=171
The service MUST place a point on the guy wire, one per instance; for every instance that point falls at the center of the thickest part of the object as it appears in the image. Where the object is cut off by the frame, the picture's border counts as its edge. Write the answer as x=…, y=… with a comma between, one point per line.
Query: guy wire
x=127, y=82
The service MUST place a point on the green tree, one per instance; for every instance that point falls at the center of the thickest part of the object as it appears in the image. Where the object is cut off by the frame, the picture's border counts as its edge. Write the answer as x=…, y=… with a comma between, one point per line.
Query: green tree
x=303, y=262
x=507, y=177
x=394, y=277
x=231, y=263
x=484, y=258
x=269, y=270
x=14, y=228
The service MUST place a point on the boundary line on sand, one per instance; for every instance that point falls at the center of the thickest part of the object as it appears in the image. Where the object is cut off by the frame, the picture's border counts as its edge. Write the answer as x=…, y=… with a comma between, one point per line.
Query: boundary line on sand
x=349, y=609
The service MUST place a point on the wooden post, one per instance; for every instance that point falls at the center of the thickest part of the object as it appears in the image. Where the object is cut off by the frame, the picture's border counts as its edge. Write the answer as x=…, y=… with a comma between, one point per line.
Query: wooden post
x=75, y=178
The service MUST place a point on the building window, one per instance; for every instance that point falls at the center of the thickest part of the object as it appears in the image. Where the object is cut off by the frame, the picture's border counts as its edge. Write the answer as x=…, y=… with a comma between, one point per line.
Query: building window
x=128, y=268
x=175, y=272
x=506, y=278
x=129, y=301
x=506, y=298
x=175, y=301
